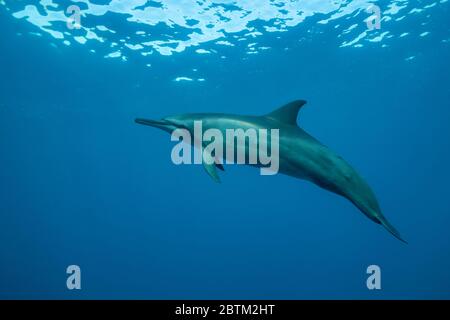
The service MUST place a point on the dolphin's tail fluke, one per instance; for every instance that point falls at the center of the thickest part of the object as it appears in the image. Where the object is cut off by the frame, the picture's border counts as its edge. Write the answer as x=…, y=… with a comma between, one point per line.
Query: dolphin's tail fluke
x=389, y=227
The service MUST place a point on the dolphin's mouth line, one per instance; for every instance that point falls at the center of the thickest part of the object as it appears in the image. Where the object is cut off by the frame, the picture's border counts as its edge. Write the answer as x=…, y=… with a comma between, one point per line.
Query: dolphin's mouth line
x=162, y=124
x=153, y=123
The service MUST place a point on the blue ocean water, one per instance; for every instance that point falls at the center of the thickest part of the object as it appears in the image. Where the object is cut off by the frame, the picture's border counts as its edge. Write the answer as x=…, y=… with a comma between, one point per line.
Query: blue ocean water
x=81, y=183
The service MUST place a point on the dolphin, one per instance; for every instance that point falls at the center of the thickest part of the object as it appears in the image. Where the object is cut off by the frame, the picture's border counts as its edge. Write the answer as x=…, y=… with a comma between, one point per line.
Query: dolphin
x=300, y=155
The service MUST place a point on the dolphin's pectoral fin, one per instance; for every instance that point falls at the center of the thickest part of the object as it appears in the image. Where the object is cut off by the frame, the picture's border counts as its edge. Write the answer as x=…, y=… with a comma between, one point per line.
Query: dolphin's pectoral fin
x=287, y=113
x=220, y=166
x=210, y=166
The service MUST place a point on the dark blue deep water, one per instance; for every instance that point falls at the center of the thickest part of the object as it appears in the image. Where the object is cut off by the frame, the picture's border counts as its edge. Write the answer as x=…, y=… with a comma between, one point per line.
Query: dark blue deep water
x=81, y=183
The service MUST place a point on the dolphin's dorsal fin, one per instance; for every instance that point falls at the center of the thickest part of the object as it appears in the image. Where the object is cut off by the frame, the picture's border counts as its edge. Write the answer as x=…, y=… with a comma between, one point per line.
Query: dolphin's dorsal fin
x=287, y=113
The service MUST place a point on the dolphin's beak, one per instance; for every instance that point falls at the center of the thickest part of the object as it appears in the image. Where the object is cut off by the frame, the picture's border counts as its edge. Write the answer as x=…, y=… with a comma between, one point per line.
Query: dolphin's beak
x=161, y=124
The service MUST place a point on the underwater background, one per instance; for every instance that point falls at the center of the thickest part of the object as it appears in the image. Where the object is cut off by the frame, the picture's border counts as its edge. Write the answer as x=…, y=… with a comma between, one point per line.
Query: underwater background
x=81, y=183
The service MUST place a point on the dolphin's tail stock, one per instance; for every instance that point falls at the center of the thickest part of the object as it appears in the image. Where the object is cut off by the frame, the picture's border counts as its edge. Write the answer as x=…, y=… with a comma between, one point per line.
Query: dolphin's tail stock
x=389, y=227
x=362, y=196
x=372, y=210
